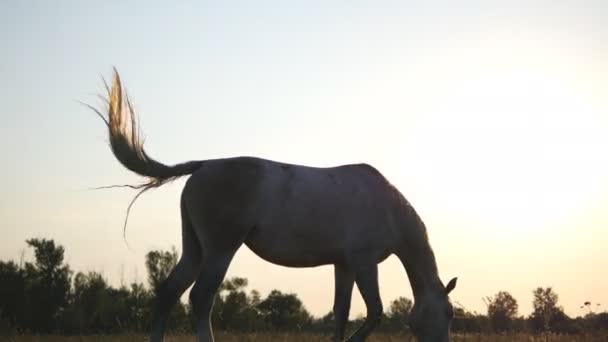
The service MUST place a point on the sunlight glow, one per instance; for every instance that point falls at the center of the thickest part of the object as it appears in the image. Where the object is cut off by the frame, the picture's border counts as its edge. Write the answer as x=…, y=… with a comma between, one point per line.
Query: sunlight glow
x=513, y=150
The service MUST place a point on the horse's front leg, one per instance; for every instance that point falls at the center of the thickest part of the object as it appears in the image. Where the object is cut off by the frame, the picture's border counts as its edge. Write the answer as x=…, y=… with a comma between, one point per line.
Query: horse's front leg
x=344, y=282
x=367, y=282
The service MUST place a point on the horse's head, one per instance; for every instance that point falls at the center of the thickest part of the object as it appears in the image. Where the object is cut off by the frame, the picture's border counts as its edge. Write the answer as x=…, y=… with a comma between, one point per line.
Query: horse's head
x=431, y=315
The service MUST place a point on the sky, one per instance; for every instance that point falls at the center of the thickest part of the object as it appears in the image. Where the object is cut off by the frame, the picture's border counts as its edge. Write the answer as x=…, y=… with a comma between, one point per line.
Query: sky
x=491, y=117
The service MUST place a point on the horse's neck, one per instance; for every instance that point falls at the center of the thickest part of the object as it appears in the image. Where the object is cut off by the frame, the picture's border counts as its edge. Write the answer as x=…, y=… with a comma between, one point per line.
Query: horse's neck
x=418, y=258
x=422, y=273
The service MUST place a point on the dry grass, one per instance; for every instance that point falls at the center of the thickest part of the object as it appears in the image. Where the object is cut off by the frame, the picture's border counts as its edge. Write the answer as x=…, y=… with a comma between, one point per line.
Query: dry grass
x=265, y=337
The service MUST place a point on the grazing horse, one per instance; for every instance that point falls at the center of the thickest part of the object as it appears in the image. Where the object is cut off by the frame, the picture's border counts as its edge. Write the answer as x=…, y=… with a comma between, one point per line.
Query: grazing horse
x=347, y=216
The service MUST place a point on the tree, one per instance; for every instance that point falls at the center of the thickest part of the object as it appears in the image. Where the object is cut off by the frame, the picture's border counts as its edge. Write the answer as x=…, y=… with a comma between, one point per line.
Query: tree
x=284, y=311
x=12, y=294
x=96, y=307
x=138, y=302
x=234, y=309
x=547, y=316
x=159, y=264
x=398, y=314
x=90, y=301
x=502, y=310
x=233, y=284
x=47, y=285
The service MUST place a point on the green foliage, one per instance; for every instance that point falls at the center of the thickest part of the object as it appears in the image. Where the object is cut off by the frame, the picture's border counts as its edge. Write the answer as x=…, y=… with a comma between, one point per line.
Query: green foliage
x=315, y=337
x=235, y=310
x=41, y=297
x=48, y=283
x=96, y=307
x=547, y=315
x=159, y=264
x=470, y=322
x=284, y=311
x=12, y=295
x=398, y=314
x=502, y=311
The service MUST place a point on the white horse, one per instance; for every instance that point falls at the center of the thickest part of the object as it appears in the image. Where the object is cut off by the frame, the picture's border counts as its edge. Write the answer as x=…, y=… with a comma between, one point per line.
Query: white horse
x=297, y=216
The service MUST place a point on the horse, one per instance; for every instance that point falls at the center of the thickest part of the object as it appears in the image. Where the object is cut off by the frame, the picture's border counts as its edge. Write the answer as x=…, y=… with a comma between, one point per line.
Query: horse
x=347, y=216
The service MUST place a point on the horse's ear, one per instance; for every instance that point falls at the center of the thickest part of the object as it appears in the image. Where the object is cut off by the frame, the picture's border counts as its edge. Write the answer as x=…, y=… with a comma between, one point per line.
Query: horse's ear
x=450, y=286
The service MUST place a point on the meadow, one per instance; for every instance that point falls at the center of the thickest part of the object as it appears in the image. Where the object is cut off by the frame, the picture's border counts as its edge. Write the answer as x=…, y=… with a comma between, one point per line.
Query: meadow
x=306, y=337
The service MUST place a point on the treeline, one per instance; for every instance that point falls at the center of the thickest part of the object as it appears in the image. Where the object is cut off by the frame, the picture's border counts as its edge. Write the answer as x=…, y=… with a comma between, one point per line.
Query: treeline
x=45, y=296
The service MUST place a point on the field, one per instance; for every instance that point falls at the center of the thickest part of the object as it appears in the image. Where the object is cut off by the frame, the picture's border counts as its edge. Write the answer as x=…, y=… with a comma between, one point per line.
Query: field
x=223, y=337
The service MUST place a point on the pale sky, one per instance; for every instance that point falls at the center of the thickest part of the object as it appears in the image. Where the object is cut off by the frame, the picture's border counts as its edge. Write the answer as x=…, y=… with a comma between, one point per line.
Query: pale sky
x=490, y=116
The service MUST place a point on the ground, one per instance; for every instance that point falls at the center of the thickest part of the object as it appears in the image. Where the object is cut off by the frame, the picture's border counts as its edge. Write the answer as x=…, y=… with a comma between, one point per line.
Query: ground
x=295, y=337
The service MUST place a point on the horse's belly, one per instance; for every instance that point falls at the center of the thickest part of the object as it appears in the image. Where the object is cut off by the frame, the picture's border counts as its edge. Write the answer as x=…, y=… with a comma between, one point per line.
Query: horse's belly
x=293, y=248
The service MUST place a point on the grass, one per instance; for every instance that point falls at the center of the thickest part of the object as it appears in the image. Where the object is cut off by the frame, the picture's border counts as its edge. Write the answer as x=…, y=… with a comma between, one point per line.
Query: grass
x=304, y=337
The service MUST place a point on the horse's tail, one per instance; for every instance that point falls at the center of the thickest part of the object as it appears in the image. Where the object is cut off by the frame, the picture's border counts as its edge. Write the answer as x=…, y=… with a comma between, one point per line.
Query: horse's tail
x=126, y=142
x=127, y=145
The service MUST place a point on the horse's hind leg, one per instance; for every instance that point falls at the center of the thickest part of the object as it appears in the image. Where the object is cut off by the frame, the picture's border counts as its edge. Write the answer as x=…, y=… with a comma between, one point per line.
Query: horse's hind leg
x=180, y=278
x=344, y=281
x=215, y=265
x=367, y=282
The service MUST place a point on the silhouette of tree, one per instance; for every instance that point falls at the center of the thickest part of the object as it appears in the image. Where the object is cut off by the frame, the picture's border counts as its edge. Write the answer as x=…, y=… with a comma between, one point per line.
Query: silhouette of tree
x=159, y=264
x=547, y=315
x=469, y=322
x=325, y=324
x=398, y=314
x=12, y=294
x=502, y=310
x=598, y=322
x=47, y=285
x=233, y=284
x=41, y=298
x=138, y=303
x=97, y=307
x=284, y=311
x=90, y=301
x=234, y=310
